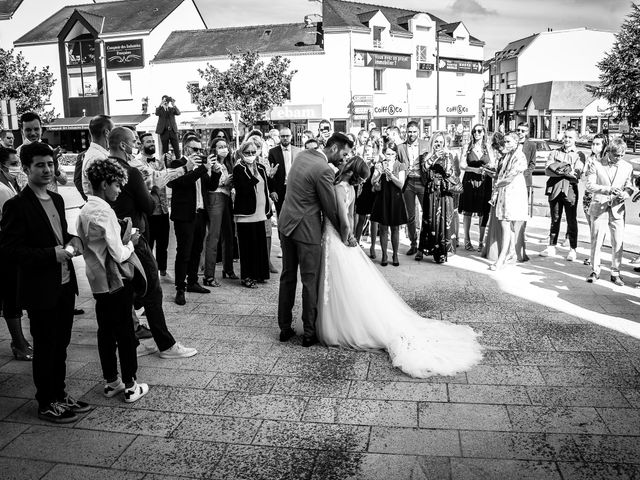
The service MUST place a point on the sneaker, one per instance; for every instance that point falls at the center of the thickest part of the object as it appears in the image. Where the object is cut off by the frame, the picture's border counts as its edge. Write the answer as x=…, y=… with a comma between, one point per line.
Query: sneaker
x=136, y=392
x=617, y=280
x=571, y=256
x=166, y=277
x=565, y=243
x=178, y=351
x=143, y=332
x=76, y=406
x=180, y=299
x=593, y=277
x=550, y=251
x=113, y=388
x=55, y=412
x=145, y=349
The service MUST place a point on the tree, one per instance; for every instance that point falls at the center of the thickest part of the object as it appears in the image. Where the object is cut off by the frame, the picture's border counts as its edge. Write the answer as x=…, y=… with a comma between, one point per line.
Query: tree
x=30, y=87
x=620, y=77
x=248, y=86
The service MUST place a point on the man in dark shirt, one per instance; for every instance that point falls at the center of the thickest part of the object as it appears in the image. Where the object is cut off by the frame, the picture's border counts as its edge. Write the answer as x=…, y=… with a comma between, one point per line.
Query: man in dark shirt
x=136, y=203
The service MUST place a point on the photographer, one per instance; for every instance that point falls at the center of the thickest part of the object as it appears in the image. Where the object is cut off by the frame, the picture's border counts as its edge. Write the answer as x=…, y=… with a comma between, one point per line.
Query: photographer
x=167, y=127
x=189, y=216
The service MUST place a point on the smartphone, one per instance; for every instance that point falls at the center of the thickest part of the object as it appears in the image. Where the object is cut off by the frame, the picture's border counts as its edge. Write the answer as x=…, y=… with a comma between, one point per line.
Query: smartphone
x=134, y=230
x=70, y=249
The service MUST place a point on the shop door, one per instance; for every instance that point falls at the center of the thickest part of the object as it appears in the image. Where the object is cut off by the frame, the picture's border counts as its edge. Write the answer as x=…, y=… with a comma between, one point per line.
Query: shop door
x=296, y=130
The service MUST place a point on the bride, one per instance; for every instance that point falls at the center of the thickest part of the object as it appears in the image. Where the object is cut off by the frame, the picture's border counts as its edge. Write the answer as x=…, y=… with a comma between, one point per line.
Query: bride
x=358, y=309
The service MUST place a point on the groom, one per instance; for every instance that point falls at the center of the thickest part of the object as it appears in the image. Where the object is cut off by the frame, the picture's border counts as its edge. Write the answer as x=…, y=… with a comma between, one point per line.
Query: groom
x=310, y=192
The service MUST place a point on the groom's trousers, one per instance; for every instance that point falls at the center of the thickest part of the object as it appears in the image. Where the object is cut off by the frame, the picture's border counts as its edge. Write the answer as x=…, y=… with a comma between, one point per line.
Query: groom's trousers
x=306, y=256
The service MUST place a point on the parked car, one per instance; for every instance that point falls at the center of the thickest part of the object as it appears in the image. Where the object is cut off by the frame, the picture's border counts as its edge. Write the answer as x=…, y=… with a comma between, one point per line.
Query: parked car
x=542, y=154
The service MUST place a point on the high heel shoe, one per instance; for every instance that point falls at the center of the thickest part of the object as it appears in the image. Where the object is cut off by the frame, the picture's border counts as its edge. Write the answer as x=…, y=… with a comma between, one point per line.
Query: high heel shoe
x=25, y=355
x=394, y=260
x=230, y=275
x=210, y=282
x=249, y=283
x=372, y=253
x=383, y=261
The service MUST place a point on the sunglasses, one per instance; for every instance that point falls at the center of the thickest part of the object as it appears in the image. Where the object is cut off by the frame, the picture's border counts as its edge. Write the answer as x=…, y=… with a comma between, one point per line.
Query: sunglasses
x=325, y=129
x=523, y=130
x=250, y=152
x=477, y=130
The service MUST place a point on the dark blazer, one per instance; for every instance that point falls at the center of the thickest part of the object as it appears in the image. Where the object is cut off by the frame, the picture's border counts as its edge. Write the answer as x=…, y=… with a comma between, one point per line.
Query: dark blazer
x=134, y=200
x=403, y=154
x=245, y=185
x=277, y=183
x=310, y=194
x=167, y=119
x=27, y=236
x=529, y=150
x=183, y=195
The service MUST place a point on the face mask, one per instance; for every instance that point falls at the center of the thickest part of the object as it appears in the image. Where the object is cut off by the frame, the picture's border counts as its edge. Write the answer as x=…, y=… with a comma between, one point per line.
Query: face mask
x=127, y=149
x=14, y=171
x=150, y=150
x=223, y=152
x=250, y=159
x=134, y=151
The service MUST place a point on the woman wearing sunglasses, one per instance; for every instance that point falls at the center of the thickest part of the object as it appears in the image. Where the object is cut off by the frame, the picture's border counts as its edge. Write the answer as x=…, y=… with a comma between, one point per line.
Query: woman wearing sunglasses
x=250, y=209
x=476, y=187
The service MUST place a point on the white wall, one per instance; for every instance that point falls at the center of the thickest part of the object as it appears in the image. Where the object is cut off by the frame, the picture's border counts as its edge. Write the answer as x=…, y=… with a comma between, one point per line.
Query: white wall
x=564, y=55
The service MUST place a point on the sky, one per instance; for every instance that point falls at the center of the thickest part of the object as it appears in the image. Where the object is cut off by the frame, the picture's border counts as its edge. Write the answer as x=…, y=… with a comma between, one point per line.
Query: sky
x=496, y=22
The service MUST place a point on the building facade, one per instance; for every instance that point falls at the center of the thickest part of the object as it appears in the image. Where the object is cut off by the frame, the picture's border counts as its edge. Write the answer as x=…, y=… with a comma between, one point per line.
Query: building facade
x=542, y=79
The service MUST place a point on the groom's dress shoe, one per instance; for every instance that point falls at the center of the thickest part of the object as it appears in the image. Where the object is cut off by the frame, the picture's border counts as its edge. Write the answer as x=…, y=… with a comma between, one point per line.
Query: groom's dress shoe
x=308, y=341
x=285, y=335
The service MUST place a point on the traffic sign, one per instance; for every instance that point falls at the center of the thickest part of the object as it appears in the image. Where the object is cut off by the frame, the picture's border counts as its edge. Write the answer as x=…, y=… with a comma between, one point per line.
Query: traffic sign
x=362, y=99
x=360, y=110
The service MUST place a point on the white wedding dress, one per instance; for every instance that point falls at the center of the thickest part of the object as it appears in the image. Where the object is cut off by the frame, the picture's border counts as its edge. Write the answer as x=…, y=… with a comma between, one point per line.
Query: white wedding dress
x=358, y=309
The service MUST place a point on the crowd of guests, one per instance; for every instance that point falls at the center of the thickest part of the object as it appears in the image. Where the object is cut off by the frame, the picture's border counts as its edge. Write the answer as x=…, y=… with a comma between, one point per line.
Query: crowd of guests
x=222, y=201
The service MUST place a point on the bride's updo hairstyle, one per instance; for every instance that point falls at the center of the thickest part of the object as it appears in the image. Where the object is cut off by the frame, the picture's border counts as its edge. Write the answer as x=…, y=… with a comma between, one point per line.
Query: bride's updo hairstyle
x=357, y=170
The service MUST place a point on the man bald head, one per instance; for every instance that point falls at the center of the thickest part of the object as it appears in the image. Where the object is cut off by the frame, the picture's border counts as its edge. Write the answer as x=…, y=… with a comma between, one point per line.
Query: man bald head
x=121, y=142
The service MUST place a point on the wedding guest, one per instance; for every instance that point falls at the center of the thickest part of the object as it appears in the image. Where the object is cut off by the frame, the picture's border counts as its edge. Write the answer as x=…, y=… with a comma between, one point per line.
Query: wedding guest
x=476, y=187
x=34, y=233
x=220, y=213
x=564, y=168
x=250, y=209
x=493, y=238
x=20, y=347
x=529, y=149
x=311, y=144
x=364, y=202
x=598, y=150
x=99, y=230
x=610, y=180
x=510, y=198
x=389, y=210
x=442, y=179
x=361, y=141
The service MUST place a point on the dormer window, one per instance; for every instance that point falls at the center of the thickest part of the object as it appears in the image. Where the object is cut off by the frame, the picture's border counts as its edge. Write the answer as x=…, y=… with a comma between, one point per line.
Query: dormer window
x=267, y=33
x=377, y=37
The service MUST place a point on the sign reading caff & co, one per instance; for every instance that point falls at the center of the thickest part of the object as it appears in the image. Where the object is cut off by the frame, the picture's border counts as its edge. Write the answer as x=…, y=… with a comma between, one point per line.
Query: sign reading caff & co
x=387, y=108
x=125, y=54
x=459, y=65
x=365, y=58
x=457, y=110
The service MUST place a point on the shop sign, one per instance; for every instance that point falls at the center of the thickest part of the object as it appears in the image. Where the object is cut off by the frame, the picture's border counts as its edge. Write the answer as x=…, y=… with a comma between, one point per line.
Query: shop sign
x=365, y=58
x=460, y=65
x=124, y=54
x=296, y=112
x=390, y=109
x=457, y=110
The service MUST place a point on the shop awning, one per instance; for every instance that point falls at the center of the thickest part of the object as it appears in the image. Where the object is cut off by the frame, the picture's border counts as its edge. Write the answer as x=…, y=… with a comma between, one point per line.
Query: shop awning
x=189, y=121
x=82, y=123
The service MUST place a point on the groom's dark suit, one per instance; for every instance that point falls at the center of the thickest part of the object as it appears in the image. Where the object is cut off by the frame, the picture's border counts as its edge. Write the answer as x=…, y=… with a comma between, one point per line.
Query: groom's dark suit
x=310, y=193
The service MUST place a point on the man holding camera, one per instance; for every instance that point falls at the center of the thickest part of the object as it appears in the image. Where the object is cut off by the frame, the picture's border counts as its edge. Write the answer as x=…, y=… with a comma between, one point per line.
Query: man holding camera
x=189, y=217
x=167, y=127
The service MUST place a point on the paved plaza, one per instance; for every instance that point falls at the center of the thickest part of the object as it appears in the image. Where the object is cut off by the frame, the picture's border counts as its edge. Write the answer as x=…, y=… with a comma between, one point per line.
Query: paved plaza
x=557, y=395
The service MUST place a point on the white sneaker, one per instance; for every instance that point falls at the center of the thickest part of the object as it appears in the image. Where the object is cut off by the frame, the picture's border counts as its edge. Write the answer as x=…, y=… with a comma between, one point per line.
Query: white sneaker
x=178, y=351
x=565, y=242
x=167, y=277
x=550, y=251
x=571, y=256
x=113, y=388
x=145, y=349
x=136, y=392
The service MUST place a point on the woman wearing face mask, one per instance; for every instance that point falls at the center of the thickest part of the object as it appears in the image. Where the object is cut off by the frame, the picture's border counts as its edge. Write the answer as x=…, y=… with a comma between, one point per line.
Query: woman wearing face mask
x=511, y=200
x=250, y=209
x=598, y=149
x=20, y=347
x=389, y=209
x=220, y=213
x=441, y=177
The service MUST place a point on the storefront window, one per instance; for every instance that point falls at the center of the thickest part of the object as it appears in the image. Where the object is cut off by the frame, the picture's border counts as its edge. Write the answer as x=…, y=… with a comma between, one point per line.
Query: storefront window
x=460, y=129
x=81, y=67
x=592, y=125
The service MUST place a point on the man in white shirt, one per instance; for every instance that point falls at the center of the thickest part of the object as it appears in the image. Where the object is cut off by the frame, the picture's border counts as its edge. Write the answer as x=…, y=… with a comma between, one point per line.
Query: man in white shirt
x=99, y=127
x=281, y=158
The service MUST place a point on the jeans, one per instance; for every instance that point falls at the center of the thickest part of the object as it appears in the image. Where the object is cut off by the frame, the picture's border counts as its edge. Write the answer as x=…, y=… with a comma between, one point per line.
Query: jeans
x=116, y=331
x=557, y=205
x=189, y=239
x=51, y=332
x=414, y=190
x=152, y=300
x=220, y=231
x=159, y=236
x=598, y=230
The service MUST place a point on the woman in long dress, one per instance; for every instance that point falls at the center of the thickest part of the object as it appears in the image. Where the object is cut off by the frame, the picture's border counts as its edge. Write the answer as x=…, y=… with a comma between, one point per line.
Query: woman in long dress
x=441, y=175
x=493, y=238
x=511, y=197
x=358, y=309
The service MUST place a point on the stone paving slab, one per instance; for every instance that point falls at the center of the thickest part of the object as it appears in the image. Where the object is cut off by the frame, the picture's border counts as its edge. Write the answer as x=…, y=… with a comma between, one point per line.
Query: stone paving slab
x=557, y=394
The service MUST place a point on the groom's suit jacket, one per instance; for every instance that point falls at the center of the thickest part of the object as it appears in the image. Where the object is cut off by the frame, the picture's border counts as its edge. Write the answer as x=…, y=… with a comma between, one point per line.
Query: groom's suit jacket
x=310, y=193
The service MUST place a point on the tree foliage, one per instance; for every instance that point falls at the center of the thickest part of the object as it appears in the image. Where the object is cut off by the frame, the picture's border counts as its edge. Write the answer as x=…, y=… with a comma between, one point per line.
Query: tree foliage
x=248, y=86
x=30, y=87
x=620, y=71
